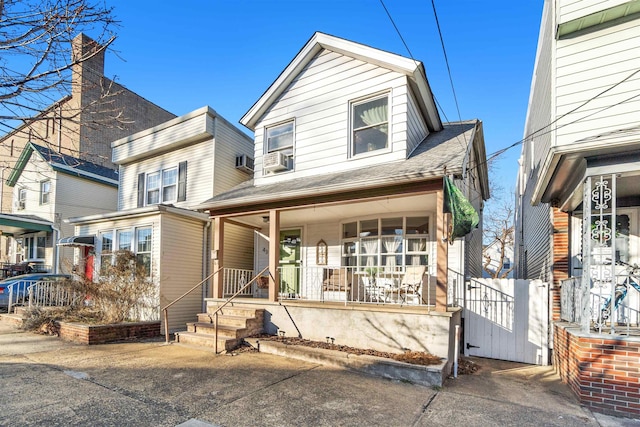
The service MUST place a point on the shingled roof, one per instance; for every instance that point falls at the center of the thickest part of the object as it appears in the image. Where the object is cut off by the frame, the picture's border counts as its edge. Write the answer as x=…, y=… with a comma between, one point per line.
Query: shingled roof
x=65, y=164
x=439, y=154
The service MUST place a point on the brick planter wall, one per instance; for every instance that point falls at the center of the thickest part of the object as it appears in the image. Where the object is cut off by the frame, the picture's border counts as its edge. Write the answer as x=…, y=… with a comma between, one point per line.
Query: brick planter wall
x=99, y=334
x=602, y=370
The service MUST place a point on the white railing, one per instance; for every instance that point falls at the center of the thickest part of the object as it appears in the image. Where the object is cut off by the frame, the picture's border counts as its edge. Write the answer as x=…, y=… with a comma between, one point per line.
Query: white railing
x=373, y=285
x=627, y=313
x=53, y=294
x=39, y=293
x=234, y=279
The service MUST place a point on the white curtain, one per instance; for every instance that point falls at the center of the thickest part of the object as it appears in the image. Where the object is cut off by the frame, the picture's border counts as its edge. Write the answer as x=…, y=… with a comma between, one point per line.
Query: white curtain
x=417, y=246
x=370, y=249
x=391, y=245
x=374, y=115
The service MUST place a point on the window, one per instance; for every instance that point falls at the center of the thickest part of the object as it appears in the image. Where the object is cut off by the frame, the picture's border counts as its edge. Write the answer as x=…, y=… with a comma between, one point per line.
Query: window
x=279, y=139
x=153, y=188
x=136, y=240
x=41, y=243
x=387, y=243
x=165, y=186
x=22, y=198
x=143, y=248
x=370, y=125
x=106, y=251
x=45, y=190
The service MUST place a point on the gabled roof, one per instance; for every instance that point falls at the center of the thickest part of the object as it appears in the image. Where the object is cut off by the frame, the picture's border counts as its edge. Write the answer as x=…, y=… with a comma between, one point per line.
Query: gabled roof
x=439, y=154
x=414, y=70
x=65, y=164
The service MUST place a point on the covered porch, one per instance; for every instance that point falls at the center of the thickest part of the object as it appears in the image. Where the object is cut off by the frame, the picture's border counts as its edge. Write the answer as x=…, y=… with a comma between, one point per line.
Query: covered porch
x=30, y=241
x=365, y=268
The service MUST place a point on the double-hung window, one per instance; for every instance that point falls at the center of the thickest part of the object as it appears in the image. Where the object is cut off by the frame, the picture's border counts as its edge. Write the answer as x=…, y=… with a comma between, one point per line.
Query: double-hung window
x=279, y=143
x=370, y=125
x=137, y=240
x=45, y=191
x=22, y=199
x=165, y=186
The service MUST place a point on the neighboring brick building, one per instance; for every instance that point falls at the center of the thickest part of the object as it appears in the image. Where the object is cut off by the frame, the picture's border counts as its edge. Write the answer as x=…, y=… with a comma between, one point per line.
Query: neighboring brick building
x=82, y=124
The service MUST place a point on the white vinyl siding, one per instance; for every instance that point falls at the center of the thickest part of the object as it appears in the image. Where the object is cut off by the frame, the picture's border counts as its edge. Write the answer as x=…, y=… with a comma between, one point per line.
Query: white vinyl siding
x=176, y=258
x=416, y=127
x=167, y=136
x=199, y=174
x=319, y=99
x=588, y=65
x=181, y=260
x=573, y=9
x=229, y=143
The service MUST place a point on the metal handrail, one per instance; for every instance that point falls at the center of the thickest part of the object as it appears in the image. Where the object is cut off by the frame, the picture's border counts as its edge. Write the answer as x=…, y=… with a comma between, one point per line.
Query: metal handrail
x=215, y=313
x=165, y=310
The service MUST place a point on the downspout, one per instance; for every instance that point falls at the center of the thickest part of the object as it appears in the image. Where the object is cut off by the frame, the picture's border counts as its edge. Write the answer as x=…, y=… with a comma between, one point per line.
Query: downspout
x=56, y=251
x=206, y=246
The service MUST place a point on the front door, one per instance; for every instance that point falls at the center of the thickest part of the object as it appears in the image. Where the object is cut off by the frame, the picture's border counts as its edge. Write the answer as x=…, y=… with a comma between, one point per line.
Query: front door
x=290, y=262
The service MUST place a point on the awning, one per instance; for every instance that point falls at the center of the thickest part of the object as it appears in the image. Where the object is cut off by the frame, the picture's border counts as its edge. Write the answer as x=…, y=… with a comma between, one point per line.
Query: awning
x=13, y=224
x=77, y=241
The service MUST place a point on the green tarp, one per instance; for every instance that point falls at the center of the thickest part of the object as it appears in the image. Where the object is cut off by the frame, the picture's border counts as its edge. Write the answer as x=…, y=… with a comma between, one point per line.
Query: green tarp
x=464, y=217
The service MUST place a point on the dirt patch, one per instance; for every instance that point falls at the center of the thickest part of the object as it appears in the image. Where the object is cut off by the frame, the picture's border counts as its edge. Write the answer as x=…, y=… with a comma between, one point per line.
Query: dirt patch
x=465, y=366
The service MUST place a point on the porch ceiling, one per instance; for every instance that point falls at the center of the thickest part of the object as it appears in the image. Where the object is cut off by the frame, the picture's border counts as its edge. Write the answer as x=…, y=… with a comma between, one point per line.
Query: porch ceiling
x=335, y=212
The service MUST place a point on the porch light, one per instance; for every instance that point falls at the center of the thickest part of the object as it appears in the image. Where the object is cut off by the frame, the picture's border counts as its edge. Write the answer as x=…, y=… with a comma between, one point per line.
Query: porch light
x=265, y=219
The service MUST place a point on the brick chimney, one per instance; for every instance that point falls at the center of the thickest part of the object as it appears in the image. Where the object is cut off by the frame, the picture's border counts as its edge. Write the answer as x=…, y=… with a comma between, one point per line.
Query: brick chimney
x=87, y=74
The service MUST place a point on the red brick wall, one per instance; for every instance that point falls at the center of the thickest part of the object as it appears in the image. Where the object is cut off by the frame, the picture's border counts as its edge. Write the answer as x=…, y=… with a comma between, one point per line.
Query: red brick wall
x=560, y=267
x=603, y=371
x=100, y=334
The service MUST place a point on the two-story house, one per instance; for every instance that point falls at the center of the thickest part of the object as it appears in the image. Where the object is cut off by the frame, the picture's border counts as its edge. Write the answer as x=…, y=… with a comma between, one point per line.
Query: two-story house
x=578, y=197
x=164, y=172
x=46, y=186
x=346, y=202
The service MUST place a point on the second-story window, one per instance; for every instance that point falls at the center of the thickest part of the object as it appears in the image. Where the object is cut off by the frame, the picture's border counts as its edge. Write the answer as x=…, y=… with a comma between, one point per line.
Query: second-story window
x=279, y=142
x=45, y=191
x=370, y=125
x=165, y=186
x=22, y=199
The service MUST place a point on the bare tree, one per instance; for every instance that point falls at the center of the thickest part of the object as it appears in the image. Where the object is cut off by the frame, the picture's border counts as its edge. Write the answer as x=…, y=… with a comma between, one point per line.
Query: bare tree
x=36, y=54
x=498, y=233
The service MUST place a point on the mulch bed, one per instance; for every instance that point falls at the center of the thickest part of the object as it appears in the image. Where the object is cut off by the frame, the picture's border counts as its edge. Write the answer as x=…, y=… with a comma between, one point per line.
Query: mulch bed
x=414, y=357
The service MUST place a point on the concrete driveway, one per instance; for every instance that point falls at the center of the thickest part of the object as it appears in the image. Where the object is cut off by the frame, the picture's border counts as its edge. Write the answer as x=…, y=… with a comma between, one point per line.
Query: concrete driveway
x=46, y=381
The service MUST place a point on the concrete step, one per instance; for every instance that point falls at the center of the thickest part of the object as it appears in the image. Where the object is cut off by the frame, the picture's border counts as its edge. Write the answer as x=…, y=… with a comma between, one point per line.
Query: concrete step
x=237, y=321
x=223, y=330
x=237, y=310
x=14, y=319
x=207, y=340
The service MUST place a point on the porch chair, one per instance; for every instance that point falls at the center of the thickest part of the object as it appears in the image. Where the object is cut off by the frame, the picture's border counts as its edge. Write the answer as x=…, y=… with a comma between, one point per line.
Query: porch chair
x=412, y=282
x=338, y=281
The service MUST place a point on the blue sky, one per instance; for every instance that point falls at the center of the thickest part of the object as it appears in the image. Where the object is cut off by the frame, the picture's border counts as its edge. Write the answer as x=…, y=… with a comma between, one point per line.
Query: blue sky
x=184, y=55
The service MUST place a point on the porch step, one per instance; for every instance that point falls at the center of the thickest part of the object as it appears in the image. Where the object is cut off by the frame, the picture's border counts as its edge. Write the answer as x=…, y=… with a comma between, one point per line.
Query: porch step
x=207, y=340
x=236, y=310
x=254, y=324
x=14, y=319
x=234, y=324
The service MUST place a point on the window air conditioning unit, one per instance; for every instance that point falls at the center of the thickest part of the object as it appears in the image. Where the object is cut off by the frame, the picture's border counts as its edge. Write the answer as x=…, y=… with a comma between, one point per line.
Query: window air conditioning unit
x=244, y=163
x=276, y=161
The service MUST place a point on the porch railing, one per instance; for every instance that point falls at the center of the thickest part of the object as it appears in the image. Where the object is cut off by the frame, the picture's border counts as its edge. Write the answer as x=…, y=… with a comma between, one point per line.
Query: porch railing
x=456, y=288
x=165, y=309
x=235, y=279
x=626, y=314
x=373, y=285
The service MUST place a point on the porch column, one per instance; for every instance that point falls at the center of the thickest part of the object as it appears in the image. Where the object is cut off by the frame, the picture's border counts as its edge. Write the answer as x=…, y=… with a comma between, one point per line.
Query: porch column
x=274, y=254
x=218, y=251
x=442, y=253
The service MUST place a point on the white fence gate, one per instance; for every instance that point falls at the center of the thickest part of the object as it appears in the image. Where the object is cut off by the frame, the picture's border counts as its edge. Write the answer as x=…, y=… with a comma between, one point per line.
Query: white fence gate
x=507, y=319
